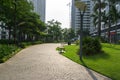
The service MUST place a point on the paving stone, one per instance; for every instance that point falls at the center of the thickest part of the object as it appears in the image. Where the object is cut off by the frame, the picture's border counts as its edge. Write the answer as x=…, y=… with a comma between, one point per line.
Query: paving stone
x=43, y=62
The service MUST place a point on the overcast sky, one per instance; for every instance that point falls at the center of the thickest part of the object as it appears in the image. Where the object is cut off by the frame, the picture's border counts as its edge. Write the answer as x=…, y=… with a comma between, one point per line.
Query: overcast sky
x=58, y=10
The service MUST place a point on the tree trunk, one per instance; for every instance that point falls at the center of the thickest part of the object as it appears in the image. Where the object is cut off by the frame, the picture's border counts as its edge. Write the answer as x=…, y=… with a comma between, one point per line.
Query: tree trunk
x=99, y=24
x=9, y=35
x=116, y=32
x=109, y=31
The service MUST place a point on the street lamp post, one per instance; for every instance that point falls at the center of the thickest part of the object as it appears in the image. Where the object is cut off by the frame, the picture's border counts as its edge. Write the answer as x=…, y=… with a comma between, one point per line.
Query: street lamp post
x=82, y=7
x=81, y=34
x=15, y=37
x=109, y=24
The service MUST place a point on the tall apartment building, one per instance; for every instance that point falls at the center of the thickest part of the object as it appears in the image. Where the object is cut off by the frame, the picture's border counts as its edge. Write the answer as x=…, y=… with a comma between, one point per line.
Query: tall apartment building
x=75, y=16
x=39, y=8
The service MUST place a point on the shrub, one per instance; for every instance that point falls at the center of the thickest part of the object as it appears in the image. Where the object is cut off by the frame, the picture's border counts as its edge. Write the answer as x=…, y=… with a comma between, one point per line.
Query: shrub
x=6, y=51
x=4, y=41
x=77, y=42
x=118, y=41
x=104, y=40
x=60, y=49
x=91, y=46
x=25, y=44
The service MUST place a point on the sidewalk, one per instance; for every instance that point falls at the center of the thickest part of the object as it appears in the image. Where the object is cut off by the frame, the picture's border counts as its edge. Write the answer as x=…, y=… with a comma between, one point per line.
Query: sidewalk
x=42, y=62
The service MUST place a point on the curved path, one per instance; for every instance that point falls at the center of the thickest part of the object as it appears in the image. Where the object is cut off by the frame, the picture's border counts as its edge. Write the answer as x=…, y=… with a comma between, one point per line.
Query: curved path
x=42, y=62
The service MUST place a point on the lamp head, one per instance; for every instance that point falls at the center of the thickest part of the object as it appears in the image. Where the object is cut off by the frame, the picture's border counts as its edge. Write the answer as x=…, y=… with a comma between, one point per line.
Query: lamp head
x=80, y=5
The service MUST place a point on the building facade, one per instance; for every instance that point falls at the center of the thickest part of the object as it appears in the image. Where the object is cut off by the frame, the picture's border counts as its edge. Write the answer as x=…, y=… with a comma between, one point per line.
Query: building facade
x=40, y=8
x=3, y=32
x=88, y=21
x=75, y=16
x=114, y=27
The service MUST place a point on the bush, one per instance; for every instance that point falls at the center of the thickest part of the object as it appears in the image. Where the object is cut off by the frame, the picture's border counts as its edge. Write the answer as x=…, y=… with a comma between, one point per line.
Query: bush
x=91, y=46
x=77, y=42
x=104, y=40
x=4, y=41
x=118, y=41
x=7, y=51
x=25, y=44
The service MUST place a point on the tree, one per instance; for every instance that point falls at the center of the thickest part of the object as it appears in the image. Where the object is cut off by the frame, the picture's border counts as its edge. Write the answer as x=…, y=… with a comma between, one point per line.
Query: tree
x=21, y=19
x=54, y=30
x=65, y=32
x=68, y=34
x=113, y=16
x=31, y=25
x=5, y=8
x=97, y=9
x=98, y=2
x=95, y=18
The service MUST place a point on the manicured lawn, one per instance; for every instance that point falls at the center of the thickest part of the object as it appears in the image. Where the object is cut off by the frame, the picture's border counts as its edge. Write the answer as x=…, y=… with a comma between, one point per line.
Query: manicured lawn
x=107, y=63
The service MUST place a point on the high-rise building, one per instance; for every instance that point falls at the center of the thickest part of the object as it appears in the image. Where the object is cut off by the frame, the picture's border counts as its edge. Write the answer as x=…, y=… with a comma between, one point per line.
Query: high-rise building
x=75, y=16
x=39, y=8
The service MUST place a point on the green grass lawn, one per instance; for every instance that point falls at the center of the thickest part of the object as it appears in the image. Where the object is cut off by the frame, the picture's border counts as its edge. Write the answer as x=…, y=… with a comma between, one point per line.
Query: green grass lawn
x=107, y=63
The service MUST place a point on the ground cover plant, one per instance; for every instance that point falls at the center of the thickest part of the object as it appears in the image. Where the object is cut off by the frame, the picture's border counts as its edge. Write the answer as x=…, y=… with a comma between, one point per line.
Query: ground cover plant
x=7, y=51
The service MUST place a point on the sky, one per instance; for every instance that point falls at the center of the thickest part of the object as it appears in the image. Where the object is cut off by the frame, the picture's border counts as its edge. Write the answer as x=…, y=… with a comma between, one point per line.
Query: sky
x=58, y=10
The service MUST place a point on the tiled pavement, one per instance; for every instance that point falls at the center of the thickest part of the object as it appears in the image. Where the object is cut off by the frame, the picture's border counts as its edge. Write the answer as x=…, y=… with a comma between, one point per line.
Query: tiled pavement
x=42, y=62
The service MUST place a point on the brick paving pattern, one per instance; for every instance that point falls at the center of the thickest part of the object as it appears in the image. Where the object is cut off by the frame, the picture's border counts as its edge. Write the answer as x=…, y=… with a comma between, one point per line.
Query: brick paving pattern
x=42, y=62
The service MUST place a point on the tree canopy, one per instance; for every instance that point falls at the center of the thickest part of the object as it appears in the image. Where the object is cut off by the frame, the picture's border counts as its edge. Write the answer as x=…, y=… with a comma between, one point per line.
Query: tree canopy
x=19, y=19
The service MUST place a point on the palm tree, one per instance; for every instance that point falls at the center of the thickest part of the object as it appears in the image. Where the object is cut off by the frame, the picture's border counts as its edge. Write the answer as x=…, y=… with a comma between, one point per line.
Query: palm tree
x=95, y=18
x=98, y=7
x=104, y=18
x=99, y=19
x=114, y=14
x=97, y=14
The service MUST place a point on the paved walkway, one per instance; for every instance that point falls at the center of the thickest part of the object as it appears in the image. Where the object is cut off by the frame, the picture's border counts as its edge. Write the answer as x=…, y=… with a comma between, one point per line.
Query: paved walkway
x=42, y=62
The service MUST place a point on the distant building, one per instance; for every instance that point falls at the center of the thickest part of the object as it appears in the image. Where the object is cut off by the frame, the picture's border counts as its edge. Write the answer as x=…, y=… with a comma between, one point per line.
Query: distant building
x=75, y=16
x=39, y=8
